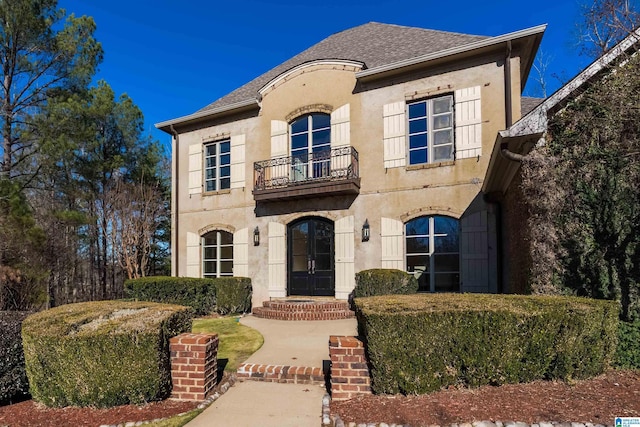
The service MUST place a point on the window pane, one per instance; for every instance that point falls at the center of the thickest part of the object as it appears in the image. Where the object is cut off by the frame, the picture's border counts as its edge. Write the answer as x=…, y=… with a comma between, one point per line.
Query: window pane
x=300, y=262
x=226, y=268
x=225, y=159
x=417, y=245
x=226, y=252
x=416, y=126
x=417, y=110
x=300, y=125
x=210, y=150
x=447, y=263
x=447, y=282
x=226, y=238
x=418, y=141
x=440, y=122
x=418, y=156
x=225, y=147
x=418, y=226
x=210, y=253
x=321, y=121
x=446, y=243
x=210, y=238
x=445, y=225
x=323, y=245
x=442, y=152
x=299, y=141
x=323, y=262
x=321, y=137
x=210, y=173
x=441, y=105
x=210, y=186
x=442, y=137
x=225, y=171
x=209, y=267
x=210, y=162
x=417, y=263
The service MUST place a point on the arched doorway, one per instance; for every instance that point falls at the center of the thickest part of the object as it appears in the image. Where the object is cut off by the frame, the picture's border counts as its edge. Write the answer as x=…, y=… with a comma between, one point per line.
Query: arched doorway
x=310, y=260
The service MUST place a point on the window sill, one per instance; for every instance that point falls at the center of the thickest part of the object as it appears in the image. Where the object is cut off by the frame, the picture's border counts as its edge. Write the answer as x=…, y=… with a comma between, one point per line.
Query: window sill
x=430, y=165
x=216, y=193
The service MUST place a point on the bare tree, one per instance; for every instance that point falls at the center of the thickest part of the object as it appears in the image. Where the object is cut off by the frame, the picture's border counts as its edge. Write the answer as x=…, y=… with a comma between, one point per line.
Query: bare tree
x=606, y=22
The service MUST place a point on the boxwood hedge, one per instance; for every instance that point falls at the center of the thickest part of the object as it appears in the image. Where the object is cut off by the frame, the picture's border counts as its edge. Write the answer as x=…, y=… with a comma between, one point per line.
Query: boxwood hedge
x=13, y=377
x=382, y=281
x=103, y=353
x=421, y=343
x=223, y=295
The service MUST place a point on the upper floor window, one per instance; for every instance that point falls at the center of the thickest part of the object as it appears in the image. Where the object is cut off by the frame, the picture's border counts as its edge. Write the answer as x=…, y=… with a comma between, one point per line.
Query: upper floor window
x=217, y=254
x=310, y=146
x=432, y=248
x=431, y=130
x=217, y=165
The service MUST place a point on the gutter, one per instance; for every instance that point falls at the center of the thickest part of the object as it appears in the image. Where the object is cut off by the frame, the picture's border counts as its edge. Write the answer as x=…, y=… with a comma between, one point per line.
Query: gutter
x=167, y=125
x=174, y=201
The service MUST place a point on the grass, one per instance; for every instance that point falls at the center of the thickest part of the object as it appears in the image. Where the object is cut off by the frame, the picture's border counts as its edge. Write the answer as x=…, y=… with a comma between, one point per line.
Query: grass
x=237, y=342
x=177, y=421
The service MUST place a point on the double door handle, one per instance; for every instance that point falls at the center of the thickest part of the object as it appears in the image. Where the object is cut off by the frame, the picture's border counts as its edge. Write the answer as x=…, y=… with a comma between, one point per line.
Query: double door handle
x=311, y=266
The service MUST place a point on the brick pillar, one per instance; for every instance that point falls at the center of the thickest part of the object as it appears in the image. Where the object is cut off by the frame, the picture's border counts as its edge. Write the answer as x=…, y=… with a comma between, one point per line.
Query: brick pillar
x=349, y=369
x=194, y=364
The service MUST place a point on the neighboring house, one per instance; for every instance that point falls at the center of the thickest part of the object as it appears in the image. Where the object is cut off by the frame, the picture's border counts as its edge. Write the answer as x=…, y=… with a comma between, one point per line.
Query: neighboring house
x=367, y=150
x=502, y=184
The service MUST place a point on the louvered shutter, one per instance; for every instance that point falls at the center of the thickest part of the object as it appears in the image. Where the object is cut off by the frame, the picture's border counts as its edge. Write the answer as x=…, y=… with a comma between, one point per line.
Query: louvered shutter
x=237, y=161
x=394, y=136
x=241, y=253
x=474, y=256
x=277, y=260
x=468, y=123
x=193, y=255
x=391, y=233
x=195, y=169
x=344, y=256
x=340, y=127
x=279, y=139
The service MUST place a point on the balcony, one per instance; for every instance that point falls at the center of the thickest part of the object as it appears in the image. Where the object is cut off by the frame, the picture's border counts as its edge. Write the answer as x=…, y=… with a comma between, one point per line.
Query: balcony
x=325, y=173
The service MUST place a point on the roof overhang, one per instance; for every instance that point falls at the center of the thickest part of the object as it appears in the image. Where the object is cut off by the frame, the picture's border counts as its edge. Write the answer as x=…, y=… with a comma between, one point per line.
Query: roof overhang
x=200, y=116
x=528, y=132
x=527, y=40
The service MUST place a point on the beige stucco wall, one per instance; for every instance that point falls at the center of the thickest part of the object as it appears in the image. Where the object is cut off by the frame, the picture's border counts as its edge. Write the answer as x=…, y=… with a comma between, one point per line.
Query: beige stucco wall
x=399, y=193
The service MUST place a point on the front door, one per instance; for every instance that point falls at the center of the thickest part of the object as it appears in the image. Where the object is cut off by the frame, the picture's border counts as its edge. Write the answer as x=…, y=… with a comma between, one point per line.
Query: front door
x=310, y=258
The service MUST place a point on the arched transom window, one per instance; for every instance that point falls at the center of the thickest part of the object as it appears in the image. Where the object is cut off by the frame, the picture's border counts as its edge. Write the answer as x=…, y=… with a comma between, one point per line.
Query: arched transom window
x=217, y=254
x=433, y=252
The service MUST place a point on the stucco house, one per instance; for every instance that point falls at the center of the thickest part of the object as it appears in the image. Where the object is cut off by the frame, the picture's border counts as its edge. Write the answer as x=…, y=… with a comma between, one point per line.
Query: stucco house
x=367, y=150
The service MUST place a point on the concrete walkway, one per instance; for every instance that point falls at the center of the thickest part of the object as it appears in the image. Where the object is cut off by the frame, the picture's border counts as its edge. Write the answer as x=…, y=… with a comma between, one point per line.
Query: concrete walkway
x=254, y=403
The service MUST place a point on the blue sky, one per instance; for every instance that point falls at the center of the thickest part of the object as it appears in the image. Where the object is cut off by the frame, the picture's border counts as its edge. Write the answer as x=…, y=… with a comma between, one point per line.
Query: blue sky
x=173, y=58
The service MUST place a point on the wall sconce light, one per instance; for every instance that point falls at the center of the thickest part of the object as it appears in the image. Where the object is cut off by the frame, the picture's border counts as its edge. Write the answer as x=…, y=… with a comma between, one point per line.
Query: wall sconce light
x=366, y=231
x=256, y=237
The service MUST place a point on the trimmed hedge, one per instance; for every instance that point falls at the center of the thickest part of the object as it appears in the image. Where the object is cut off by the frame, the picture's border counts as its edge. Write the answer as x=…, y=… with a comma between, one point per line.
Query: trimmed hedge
x=223, y=295
x=421, y=343
x=382, y=281
x=13, y=377
x=628, y=349
x=102, y=354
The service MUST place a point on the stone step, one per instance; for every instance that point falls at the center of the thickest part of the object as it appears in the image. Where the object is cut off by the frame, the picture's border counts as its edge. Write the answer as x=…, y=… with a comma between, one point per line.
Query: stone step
x=304, y=310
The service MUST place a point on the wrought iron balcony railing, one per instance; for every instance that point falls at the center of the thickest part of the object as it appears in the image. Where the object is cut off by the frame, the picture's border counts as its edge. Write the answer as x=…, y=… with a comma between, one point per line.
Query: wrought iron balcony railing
x=327, y=166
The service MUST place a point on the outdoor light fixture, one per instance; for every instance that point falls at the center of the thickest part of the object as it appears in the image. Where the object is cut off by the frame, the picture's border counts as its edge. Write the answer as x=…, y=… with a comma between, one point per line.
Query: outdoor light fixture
x=366, y=232
x=256, y=236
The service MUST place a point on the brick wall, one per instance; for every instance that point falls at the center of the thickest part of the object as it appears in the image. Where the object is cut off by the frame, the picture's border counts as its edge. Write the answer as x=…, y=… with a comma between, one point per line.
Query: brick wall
x=280, y=374
x=194, y=363
x=349, y=369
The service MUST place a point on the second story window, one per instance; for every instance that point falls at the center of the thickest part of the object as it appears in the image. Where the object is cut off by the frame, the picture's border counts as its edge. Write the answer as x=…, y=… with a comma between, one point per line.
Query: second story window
x=217, y=165
x=431, y=130
x=310, y=146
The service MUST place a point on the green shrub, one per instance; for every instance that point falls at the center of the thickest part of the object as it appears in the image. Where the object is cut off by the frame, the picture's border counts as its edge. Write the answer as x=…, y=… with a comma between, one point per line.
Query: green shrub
x=13, y=377
x=628, y=350
x=199, y=294
x=223, y=295
x=421, y=343
x=103, y=353
x=233, y=295
x=381, y=281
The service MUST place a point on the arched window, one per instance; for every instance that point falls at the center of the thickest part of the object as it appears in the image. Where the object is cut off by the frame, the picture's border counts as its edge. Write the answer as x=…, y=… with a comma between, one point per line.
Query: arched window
x=310, y=146
x=217, y=254
x=433, y=249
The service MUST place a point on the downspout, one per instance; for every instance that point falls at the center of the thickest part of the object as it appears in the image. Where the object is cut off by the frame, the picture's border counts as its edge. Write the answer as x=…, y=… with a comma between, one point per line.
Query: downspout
x=174, y=201
x=508, y=107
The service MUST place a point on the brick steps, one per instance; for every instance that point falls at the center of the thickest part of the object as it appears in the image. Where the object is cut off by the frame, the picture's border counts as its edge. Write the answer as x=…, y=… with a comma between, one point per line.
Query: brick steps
x=304, y=310
x=281, y=374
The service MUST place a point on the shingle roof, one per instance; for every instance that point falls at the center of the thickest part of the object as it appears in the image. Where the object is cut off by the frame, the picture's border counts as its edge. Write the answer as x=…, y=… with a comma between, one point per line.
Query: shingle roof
x=528, y=103
x=374, y=44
